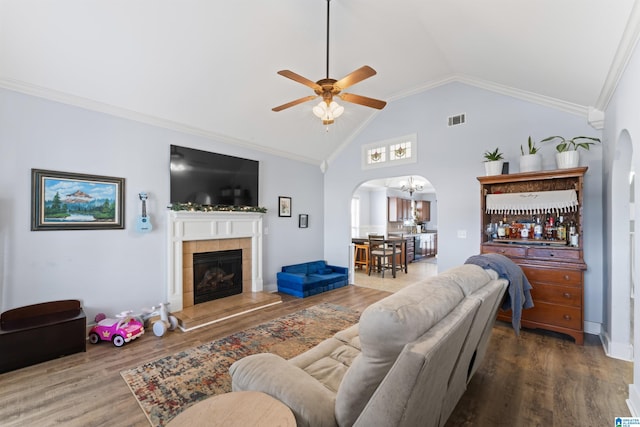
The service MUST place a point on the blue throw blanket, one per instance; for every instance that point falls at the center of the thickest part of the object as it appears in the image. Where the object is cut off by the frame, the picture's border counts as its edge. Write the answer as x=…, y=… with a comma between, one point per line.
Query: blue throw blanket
x=519, y=293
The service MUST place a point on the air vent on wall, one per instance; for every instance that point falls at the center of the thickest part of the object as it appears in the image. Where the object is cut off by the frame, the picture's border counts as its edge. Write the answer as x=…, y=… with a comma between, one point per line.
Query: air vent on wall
x=457, y=120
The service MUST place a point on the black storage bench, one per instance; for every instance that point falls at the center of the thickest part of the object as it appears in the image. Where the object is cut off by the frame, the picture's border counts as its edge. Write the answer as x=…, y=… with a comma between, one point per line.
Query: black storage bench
x=40, y=332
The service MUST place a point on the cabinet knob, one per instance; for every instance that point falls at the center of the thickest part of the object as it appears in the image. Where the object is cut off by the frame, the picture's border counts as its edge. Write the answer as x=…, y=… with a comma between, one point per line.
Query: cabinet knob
x=567, y=317
x=502, y=251
x=566, y=295
x=566, y=277
x=551, y=254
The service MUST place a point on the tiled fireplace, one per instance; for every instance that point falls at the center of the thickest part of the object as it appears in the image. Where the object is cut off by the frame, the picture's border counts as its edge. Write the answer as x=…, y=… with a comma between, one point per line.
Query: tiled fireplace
x=202, y=232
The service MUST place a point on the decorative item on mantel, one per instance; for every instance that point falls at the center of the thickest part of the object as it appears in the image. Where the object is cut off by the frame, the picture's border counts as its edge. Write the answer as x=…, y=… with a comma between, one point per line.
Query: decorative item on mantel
x=567, y=155
x=532, y=161
x=196, y=207
x=493, y=163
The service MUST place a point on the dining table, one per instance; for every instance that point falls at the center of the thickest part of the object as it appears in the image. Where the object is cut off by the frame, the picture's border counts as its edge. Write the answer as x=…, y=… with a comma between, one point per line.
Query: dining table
x=394, y=242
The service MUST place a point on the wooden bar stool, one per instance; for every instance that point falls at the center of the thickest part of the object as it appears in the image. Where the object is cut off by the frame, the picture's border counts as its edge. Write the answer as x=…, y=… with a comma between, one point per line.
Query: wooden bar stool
x=361, y=256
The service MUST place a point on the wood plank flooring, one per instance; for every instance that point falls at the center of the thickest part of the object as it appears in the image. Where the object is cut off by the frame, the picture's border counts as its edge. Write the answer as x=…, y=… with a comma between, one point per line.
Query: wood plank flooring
x=537, y=379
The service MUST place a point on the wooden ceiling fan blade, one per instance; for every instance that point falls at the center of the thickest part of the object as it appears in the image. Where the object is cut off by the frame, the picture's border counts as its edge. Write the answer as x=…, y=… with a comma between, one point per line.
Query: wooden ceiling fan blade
x=363, y=100
x=354, y=77
x=298, y=78
x=292, y=103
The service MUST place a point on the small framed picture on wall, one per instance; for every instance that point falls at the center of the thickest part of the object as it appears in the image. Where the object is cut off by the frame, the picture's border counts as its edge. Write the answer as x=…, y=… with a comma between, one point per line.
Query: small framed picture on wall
x=284, y=206
x=303, y=220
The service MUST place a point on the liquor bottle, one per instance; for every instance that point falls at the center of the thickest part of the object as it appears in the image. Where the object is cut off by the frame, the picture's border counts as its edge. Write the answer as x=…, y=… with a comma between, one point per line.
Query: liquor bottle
x=514, y=231
x=573, y=231
x=549, y=228
x=561, y=229
x=501, y=232
x=507, y=229
x=537, y=229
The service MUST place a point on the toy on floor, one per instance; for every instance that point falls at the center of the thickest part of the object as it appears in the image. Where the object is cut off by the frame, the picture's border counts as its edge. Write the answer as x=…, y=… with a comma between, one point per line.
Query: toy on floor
x=119, y=330
x=166, y=322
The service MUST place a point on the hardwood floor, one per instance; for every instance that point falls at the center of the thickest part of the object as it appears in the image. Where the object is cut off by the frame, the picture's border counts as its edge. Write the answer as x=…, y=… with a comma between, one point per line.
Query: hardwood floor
x=537, y=379
x=544, y=379
x=86, y=389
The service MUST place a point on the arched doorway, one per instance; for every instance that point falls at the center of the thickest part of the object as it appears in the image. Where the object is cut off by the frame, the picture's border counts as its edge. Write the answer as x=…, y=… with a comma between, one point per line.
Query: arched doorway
x=397, y=206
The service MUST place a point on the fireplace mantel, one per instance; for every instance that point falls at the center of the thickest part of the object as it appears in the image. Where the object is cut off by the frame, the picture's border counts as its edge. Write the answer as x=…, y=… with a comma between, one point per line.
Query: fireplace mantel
x=186, y=226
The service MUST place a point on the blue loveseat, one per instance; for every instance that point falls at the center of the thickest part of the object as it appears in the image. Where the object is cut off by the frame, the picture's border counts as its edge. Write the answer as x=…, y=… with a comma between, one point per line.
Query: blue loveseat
x=310, y=278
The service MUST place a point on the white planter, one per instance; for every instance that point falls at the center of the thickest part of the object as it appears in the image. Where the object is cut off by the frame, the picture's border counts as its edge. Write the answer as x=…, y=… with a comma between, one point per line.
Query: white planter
x=531, y=163
x=568, y=159
x=493, y=167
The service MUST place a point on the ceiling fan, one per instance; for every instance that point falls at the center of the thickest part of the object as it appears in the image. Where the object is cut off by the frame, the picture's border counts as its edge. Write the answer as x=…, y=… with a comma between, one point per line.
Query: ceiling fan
x=327, y=88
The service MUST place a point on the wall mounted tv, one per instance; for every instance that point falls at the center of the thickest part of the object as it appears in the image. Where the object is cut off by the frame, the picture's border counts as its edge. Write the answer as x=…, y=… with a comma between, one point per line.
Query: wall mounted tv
x=212, y=179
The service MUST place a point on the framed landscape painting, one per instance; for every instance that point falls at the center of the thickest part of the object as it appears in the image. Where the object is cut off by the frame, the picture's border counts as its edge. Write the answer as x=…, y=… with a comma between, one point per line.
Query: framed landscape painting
x=72, y=201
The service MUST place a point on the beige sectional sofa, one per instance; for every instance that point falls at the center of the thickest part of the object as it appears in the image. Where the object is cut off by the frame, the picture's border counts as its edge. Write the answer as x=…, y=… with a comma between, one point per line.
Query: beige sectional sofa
x=406, y=363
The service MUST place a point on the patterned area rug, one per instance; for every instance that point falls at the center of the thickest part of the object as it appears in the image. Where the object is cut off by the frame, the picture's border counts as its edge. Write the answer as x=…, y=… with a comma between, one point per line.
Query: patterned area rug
x=167, y=386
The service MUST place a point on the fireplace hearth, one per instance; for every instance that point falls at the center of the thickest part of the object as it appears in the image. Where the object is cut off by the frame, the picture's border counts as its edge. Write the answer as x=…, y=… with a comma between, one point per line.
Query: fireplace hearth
x=216, y=275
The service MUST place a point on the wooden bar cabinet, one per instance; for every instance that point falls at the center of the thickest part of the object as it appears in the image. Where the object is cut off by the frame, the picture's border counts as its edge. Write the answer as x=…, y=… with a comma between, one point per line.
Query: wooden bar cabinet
x=555, y=268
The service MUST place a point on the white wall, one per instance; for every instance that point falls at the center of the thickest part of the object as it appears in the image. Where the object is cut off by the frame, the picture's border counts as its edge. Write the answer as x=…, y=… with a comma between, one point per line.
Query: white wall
x=451, y=159
x=115, y=270
x=622, y=136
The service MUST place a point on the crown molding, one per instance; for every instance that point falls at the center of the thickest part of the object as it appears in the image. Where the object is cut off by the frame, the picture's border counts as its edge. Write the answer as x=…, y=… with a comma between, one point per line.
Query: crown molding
x=627, y=45
x=92, y=105
x=536, y=98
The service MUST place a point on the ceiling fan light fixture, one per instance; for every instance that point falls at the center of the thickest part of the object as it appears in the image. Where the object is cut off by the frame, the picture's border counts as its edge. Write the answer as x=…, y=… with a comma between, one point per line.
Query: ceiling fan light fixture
x=328, y=88
x=328, y=112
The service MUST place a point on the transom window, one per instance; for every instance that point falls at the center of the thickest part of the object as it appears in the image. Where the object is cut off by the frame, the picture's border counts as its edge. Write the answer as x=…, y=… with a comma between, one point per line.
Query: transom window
x=376, y=155
x=391, y=152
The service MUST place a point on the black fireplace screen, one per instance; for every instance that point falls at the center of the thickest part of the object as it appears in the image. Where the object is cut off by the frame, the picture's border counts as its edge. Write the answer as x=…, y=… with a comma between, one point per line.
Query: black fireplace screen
x=216, y=275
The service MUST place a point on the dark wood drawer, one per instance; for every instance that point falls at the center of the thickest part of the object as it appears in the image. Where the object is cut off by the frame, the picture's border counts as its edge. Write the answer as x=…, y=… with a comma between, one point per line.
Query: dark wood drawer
x=554, y=253
x=553, y=276
x=554, y=314
x=554, y=294
x=512, y=251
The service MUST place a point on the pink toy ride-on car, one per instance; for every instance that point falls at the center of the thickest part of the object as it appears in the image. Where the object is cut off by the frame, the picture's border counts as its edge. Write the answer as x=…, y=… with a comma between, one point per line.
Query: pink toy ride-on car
x=118, y=331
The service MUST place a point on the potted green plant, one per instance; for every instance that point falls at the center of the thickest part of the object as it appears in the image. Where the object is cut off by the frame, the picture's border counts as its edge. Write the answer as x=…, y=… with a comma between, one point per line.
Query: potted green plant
x=532, y=160
x=493, y=162
x=567, y=155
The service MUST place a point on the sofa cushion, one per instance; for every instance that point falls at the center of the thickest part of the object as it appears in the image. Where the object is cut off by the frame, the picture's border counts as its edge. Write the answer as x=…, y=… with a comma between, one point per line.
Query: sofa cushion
x=328, y=361
x=385, y=328
x=314, y=267
x=273, y=375
x=469, y=279
x=297, y=268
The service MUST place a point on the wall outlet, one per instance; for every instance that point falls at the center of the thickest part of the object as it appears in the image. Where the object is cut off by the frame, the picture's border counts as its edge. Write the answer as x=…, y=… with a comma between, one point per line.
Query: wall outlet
x=462, y=234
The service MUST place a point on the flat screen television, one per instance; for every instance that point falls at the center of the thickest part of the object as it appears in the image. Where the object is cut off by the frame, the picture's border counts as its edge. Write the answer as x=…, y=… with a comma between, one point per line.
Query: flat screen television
x=212, y=179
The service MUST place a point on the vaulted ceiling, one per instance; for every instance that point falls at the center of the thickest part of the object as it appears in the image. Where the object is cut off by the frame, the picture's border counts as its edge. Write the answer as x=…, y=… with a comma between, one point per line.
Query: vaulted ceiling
x=209, y=67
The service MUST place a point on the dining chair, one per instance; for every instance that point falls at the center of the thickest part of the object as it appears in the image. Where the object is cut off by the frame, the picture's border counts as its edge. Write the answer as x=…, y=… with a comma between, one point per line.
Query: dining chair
x=380, y=254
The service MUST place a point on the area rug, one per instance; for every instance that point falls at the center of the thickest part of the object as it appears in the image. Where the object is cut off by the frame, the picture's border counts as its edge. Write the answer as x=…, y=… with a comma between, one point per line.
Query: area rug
x=167, y=386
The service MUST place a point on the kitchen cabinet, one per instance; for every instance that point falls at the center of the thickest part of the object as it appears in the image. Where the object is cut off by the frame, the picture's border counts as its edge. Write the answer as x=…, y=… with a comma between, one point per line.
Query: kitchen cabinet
x=423, y=210
x=554, y=269
x=398, y=209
